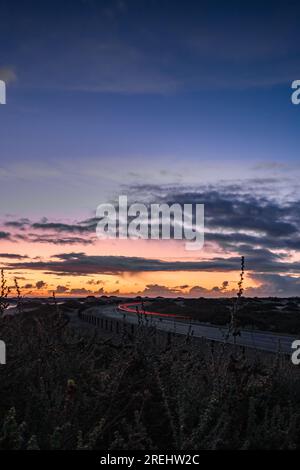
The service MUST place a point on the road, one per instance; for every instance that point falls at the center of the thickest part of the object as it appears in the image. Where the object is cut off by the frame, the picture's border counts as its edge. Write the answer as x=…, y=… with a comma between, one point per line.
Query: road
x=264, y=341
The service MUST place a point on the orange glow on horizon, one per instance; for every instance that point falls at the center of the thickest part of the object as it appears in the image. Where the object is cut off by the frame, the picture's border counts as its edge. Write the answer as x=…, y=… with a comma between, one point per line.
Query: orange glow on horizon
x=168, y=283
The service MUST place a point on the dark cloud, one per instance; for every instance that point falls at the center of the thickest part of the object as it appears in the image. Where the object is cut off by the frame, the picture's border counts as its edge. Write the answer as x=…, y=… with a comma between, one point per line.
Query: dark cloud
x=61, y=289
x=80, y=291
x=28, y=286
x=235, y=213
x=80, y=263
x=40, y=284
x=31, y=232
x=225, y=285
x=61, y=227
x=274, y=285
x=53, y=239
x=258, y=260
x=5, y=235
x=155, y=290
x=13, y=256
x=93, y=282
x=21, y=223
x=198, y=291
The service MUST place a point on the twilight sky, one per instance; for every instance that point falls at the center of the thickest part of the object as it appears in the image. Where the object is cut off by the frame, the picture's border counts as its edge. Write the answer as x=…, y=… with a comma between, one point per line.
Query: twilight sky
x=165, y=101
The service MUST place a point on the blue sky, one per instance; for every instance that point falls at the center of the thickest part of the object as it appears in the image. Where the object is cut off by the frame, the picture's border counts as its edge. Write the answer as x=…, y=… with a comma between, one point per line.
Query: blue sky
x=192, y=80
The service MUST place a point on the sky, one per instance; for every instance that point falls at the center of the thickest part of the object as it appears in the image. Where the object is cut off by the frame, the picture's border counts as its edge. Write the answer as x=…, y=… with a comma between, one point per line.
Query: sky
x=162, y=101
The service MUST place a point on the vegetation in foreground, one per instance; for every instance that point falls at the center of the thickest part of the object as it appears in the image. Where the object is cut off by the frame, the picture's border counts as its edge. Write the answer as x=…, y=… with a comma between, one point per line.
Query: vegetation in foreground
x=61, y=389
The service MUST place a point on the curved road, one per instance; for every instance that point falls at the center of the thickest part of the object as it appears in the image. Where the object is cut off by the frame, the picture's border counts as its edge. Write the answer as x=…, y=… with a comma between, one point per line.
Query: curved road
x=265, y=341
